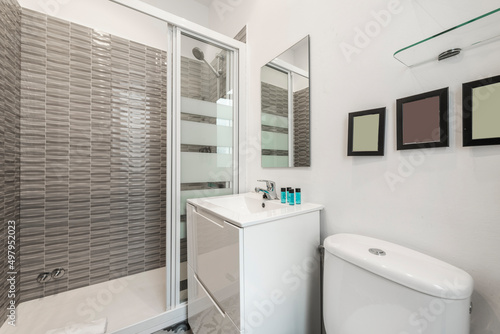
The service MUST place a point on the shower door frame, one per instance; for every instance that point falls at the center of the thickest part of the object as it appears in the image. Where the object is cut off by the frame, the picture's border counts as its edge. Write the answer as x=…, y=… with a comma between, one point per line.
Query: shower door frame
x=175, y=310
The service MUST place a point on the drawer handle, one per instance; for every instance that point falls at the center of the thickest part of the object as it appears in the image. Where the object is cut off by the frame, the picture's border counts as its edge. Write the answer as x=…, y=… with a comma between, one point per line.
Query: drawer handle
x=210, y=297
x=210, y=220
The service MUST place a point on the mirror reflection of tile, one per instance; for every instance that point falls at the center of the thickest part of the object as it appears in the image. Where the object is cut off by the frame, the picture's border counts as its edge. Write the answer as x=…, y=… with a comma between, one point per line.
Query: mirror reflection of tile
x=421, y=121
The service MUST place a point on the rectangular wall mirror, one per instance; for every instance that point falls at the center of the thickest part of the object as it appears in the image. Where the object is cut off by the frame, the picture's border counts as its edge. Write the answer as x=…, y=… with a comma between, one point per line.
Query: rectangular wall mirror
x=481, y=112
x=366, y=134
x=285, y=108
x=422, y=120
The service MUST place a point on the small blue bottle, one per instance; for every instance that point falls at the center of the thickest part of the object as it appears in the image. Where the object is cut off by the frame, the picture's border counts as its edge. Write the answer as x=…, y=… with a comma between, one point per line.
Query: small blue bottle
x=283, y=195
x=298, y=196
x=292, y=197
x=288, y=194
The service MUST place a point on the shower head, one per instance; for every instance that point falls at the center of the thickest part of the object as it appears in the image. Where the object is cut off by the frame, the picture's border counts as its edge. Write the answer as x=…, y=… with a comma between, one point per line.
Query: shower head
x=198, y=54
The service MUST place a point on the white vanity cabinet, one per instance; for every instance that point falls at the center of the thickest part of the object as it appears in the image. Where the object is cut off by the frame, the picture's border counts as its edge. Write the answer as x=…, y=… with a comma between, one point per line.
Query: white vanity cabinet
x=260, y=274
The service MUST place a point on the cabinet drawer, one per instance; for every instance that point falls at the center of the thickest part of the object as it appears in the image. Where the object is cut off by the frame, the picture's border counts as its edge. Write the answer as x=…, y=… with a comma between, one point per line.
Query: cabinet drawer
x=204, y=314
x=217, y=266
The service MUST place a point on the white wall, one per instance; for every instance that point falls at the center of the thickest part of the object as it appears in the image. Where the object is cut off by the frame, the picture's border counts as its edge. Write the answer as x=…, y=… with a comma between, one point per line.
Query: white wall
x=191, y=10
x=448, y=204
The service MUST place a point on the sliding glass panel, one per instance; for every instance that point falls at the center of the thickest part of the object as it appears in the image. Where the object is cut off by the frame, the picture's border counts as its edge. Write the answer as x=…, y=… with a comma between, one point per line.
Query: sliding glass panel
x=206, y=129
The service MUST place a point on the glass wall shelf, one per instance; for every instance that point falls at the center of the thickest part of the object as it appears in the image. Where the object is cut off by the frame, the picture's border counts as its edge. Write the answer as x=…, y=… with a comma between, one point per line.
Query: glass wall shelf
x=478, y=31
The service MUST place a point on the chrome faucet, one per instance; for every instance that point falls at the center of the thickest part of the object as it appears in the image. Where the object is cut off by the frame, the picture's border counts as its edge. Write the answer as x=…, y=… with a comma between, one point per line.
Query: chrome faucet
x=269, y=192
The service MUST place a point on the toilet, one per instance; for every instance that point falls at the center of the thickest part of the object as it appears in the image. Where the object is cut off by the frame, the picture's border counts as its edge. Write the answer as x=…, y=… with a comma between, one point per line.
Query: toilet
x=377, y=287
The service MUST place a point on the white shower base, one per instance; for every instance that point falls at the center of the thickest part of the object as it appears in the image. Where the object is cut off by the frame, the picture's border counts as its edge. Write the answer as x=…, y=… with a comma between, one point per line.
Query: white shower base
x=124, y=302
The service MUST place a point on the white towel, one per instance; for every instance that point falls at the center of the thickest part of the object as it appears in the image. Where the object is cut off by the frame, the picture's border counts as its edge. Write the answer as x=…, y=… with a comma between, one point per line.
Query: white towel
x=93, y=327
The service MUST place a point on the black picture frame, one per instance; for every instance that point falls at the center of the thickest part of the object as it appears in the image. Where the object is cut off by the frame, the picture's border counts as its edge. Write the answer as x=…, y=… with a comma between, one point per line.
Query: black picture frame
x=442, y=109
x=468, y=111
x=380, y=135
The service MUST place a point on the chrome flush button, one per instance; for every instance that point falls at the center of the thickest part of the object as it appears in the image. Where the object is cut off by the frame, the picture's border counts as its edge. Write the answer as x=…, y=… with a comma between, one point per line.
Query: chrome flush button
x=377, y=251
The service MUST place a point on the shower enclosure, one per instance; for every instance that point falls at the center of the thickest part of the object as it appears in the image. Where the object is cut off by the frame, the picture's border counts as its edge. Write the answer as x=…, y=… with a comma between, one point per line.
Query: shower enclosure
x=112, y=138
x=207, y=129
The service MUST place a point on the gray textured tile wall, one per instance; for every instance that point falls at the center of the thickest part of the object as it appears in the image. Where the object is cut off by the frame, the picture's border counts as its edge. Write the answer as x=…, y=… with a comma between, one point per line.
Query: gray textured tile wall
x=10, y=84
x=199, y=82
x=219, y=63
x=93, y=155
x=195, y=82
x=302, y=129
x=223, y=65
x=242, y=35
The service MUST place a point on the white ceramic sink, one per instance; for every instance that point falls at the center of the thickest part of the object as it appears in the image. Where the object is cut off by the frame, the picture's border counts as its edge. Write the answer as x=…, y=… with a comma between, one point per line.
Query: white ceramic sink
x=249, y=208
x=245, y=205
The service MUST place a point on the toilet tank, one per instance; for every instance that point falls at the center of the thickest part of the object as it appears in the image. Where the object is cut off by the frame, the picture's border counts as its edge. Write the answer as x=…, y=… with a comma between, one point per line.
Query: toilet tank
x=377, y=287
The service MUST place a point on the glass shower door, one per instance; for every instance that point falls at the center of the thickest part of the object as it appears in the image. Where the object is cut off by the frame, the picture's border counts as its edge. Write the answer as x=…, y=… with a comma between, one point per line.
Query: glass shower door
x=207, y=130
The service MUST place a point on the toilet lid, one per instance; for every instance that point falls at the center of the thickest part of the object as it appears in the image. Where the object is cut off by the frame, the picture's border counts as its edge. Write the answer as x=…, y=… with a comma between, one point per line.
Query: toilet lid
x=402, y=265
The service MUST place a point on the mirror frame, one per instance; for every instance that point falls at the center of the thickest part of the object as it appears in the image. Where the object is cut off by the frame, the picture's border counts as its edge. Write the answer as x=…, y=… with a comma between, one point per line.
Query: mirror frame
x=381, y=132
x=443, y=140
x=468, y=110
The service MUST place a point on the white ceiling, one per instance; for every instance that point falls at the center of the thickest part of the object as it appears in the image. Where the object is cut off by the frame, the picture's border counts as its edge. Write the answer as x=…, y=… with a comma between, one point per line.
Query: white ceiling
x=205, y=2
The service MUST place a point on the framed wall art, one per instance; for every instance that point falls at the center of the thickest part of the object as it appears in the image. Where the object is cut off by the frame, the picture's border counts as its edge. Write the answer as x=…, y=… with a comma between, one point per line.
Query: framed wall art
x=422, y=120
x=366, y=132
x=481, y=112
